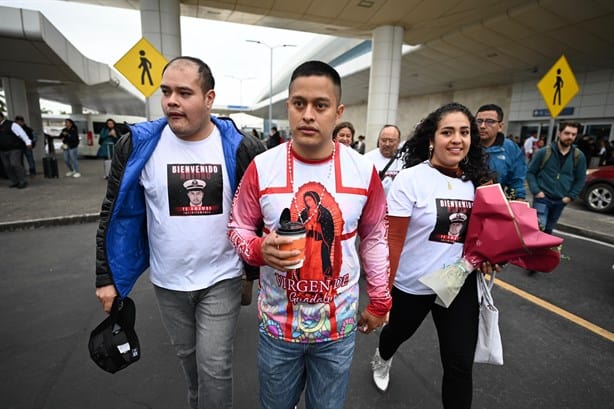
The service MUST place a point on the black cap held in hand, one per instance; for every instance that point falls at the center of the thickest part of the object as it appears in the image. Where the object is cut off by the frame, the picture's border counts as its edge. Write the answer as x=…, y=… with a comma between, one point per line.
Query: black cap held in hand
x=113, y=344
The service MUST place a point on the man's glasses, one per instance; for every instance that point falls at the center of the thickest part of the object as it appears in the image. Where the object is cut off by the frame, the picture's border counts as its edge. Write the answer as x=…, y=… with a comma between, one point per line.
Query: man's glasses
x=488, y=122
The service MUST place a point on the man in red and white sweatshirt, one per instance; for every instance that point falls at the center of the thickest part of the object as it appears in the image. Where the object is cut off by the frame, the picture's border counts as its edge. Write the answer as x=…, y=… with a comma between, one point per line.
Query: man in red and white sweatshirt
x=309, y=315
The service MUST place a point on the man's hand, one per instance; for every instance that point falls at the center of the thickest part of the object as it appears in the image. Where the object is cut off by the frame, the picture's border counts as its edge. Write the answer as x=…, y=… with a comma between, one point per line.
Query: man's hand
x=566, y=200
x=273, y=256
x=540, y=195
x=106, y=295
x=369, y=322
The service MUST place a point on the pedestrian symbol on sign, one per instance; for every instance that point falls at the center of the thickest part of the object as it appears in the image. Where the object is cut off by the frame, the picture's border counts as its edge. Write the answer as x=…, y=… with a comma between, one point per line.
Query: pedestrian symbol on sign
x=145, y=65
x=557, y=88
x=551, y=86
x=142, y=65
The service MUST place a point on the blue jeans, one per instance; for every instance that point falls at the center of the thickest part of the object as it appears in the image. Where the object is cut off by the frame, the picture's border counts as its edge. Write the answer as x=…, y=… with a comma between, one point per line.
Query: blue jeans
x=71, y=159
x=284, y=368
x=202, y=325
x=29, y=155
x=548, y=212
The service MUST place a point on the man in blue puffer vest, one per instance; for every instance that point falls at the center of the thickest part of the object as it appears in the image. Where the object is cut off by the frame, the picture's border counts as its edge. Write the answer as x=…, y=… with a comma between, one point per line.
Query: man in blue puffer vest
x=504, y=156
x=146, y=221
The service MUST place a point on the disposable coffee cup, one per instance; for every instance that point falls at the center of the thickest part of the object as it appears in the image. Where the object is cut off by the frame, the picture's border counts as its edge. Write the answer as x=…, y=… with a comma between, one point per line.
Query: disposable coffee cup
x=296, y=231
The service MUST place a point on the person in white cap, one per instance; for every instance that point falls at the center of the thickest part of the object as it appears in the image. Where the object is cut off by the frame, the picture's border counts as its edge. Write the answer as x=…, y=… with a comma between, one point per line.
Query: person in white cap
x=196, y=191
x=457, y=221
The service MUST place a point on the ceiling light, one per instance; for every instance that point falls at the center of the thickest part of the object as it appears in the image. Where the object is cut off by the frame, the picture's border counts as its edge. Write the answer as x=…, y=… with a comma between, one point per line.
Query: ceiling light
x=46, y=81
x=366, y=3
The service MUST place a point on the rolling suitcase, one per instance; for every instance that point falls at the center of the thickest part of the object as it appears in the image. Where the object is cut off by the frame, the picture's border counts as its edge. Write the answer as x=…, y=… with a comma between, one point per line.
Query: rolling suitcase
x=50, y=167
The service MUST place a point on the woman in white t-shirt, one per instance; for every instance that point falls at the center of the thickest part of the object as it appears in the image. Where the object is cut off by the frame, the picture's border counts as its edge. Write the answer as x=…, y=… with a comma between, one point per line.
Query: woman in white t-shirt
x=435, y=190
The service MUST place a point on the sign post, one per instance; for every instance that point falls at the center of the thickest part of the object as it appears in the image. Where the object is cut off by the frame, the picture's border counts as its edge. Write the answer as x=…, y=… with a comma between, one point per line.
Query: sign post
x=142, y=65
x=558, y=87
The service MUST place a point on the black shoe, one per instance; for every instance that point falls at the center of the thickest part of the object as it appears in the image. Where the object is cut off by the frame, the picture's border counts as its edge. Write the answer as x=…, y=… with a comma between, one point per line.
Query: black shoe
x=22, y=185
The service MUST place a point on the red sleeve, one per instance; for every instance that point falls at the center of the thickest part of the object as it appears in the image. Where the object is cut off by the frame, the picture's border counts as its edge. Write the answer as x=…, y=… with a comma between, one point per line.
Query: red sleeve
x=373, y=249
x=246, y=217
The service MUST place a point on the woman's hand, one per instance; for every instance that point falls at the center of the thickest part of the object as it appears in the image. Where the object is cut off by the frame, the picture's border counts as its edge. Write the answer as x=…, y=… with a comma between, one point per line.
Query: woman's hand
x=487, y=268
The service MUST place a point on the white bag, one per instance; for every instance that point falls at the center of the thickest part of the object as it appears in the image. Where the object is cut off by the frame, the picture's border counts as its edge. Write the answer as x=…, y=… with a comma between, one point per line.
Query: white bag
x=107, y=162
x=488, y=349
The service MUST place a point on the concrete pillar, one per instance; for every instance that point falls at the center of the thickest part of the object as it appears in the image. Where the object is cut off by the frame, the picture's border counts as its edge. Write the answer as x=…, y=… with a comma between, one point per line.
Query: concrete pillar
x=384, y=80
x=15, y=96
x=22, y=99
x=33, y=118
x=160, y=25
x=76, y=108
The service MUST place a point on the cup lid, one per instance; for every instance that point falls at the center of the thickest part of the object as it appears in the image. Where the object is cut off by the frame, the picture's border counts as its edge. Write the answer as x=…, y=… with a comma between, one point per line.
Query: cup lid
x=290, y=228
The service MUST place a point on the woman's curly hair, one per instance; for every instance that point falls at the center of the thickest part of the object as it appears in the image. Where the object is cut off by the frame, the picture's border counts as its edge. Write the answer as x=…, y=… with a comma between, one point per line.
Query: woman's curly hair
x=474, y=169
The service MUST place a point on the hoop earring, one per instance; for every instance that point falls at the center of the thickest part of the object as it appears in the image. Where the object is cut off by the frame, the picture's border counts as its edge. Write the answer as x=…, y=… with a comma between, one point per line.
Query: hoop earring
x=430, y=151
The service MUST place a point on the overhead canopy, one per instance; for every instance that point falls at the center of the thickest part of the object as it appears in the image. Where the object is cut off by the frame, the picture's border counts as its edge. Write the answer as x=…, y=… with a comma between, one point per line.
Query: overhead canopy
x=463, y=44
x=35, y=51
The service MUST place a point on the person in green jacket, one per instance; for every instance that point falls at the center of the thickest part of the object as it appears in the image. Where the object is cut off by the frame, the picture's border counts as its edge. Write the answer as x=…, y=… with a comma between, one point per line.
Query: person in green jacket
x=556, y=179
x=108, y=136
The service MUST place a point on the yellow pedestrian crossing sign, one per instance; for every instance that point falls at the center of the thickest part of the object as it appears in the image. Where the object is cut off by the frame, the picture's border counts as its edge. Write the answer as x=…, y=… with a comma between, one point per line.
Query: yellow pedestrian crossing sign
x=558, y=86
x=142, y=65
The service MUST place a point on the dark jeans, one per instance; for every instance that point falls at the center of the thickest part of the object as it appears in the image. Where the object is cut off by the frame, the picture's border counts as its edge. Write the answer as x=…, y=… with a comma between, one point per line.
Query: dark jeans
x=12, y=166
x=457, y=329
x=30, y=159
x=548, y=212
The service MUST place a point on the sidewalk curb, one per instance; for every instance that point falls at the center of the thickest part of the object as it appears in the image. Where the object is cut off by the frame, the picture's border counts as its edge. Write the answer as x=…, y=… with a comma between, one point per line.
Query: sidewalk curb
x=567, y=228
x=94, y=217
x=47, y=222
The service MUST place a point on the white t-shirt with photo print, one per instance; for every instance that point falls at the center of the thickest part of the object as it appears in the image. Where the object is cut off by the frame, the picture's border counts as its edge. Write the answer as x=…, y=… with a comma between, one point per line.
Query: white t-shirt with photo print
x=433, y=201
x=189, y=249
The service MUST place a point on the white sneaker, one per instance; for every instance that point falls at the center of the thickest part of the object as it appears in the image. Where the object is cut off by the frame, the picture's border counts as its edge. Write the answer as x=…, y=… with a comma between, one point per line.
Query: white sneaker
x=381, y=371
x=76, y=175
x=70, y=173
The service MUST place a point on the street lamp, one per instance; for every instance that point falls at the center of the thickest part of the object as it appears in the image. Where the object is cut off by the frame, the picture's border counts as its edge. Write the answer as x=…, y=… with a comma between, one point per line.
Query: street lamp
x=271, y=48
x=241, y=79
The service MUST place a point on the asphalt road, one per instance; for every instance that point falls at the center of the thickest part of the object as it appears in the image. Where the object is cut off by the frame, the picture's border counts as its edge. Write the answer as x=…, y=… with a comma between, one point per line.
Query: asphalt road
x=49, y=309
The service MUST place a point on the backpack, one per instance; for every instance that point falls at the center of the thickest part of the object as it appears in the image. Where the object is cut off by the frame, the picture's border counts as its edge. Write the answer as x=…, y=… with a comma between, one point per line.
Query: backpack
x=548, y=154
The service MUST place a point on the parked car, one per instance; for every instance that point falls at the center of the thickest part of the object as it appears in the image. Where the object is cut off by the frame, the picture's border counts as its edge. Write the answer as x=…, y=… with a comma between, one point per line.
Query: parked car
x=598, y=191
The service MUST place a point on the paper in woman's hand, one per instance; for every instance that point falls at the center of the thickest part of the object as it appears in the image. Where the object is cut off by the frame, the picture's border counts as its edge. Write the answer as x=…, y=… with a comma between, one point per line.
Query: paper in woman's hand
x=447, y=281
x=498, y=232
